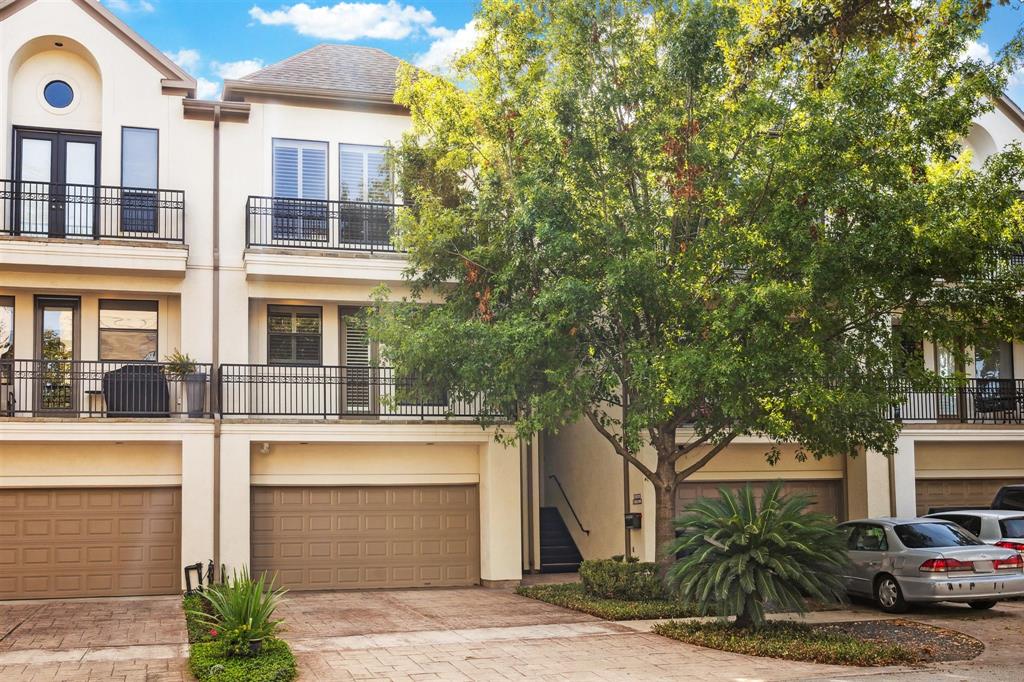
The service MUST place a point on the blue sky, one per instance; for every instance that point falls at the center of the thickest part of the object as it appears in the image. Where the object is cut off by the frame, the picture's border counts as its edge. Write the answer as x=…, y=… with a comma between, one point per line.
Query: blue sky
x=216, y=39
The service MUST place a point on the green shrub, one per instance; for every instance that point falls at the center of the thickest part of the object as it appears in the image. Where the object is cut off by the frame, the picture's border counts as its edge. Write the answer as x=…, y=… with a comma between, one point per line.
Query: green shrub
x=615, y=579
x=198, y=631
x=738, y=556
x=209, y=662
x=791, y=641
x=573, y=596
x=240, y=611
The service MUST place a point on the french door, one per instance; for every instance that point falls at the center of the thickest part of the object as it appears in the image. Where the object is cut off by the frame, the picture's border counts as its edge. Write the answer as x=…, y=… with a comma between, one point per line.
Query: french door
x=57, y=334
x=57, y=178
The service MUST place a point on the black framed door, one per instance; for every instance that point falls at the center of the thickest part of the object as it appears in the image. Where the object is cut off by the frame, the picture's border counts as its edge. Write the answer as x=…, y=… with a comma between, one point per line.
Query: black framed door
x=57, y=341
x=57, y=175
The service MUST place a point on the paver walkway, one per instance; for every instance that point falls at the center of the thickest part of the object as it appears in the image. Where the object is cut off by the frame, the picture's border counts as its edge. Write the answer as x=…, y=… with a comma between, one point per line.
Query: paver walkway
x=93, y=639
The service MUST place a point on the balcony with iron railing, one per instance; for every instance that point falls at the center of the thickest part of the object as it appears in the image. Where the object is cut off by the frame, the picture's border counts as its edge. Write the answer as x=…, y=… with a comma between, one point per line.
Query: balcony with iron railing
x=320, y=224
x=969, y=401
x=86, y=388
x=334, y=392
x=45, y=209
x=92, y=228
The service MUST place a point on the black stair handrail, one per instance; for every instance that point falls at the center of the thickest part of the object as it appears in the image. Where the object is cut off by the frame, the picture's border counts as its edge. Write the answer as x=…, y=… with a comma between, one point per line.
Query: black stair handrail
x=568, y=502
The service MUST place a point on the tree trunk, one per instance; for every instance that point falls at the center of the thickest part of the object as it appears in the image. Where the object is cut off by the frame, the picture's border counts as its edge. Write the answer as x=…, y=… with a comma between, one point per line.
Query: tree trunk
x=664, y=530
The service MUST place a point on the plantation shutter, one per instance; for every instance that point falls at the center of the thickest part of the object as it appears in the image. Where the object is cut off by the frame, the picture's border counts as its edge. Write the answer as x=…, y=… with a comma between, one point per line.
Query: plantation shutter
x=300, y=169
x=357, y=357
x=293, y=335
x=364, y=174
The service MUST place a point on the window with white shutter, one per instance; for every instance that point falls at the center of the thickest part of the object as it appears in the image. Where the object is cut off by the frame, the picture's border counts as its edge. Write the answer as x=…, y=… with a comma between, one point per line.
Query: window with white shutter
x=300, y=190
x=363, y=177
x=357, y=356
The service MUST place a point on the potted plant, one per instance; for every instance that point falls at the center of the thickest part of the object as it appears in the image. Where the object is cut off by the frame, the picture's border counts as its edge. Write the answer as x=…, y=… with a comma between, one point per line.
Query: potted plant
x=186, y=368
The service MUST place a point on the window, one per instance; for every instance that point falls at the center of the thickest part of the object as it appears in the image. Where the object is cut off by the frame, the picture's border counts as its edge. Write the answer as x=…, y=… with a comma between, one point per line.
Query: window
x=139, y=162
x=128, y=330
x=300, y=190
x=927, y=535
x=972, y=524
x=1012, y=528
x=363, y=178
x=995, y=362
x=58, y=94
x=293, y=335
x=6, y=338
x=363, y=173
x=868, y=539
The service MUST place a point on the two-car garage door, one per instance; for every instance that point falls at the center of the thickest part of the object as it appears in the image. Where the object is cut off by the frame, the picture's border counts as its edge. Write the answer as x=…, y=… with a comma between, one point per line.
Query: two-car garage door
x=89, y=542
x=337, y=537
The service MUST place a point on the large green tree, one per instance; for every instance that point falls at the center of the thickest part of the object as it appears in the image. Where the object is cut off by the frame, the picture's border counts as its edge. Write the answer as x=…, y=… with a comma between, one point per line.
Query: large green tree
x=704, y=213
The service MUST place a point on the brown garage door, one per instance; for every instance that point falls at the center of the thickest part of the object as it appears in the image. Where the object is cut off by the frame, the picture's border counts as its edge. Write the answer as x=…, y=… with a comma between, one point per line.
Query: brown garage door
x=958, y=492
x=317, y=538
x=827, y=495
x=89, y=542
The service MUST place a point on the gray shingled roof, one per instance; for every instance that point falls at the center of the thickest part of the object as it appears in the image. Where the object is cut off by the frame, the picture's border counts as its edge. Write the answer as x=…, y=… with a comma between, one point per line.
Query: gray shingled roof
x=349, y=68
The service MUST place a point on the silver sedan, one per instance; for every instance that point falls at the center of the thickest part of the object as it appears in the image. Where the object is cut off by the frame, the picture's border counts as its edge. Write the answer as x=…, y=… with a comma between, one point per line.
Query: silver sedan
x=901, y=561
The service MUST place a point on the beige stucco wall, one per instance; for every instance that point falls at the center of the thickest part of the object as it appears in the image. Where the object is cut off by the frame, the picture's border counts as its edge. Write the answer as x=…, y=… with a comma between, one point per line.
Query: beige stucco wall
x=969, y=459
x=109, y=463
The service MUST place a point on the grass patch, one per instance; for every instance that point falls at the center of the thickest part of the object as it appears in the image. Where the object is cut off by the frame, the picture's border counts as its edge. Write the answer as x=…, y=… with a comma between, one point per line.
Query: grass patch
x=790, y=641
x=275, y=663
x=572, y=596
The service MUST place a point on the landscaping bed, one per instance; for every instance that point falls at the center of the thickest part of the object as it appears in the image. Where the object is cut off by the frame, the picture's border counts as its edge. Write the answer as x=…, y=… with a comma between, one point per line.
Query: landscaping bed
x=210, y=663
x=573, y=596
x=859, y=643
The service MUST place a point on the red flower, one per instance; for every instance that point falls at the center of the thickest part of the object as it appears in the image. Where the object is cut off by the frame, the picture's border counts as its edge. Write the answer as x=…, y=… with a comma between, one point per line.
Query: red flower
x=213, y=633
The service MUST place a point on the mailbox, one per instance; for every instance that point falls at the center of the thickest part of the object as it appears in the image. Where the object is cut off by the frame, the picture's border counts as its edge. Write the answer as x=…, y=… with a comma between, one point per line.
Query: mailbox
x=633, y=520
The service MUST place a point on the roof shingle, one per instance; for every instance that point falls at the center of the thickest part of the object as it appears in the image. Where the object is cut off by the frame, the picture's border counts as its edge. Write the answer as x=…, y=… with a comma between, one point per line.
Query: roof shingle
x=346, y=68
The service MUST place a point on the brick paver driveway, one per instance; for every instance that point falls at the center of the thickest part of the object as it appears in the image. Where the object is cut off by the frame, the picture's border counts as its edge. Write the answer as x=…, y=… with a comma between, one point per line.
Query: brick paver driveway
x=482, y=634
x=93, y=639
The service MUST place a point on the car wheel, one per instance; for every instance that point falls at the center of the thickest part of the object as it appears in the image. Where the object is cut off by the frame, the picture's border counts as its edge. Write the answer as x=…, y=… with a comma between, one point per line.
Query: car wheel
x=889, y=595
x=982, y=605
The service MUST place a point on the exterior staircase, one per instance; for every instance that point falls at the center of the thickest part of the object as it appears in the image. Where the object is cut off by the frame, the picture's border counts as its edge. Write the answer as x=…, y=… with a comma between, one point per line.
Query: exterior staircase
x=558, y=551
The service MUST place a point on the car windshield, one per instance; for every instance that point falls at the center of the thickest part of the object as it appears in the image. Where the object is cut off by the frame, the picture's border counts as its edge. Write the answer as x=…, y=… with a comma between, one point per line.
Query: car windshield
x=1012, y=528
x=922, y=535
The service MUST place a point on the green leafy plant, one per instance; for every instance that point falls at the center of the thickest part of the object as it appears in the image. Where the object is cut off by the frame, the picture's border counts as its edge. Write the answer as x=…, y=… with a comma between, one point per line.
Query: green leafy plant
x=629, y=580
x=242, y=612
x=574, y=596
x=180, y=364
x=738, y=556
x=210, y=663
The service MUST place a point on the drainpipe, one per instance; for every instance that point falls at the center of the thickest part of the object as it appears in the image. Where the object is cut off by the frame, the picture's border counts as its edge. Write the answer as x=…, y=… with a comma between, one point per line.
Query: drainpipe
x=215, y=356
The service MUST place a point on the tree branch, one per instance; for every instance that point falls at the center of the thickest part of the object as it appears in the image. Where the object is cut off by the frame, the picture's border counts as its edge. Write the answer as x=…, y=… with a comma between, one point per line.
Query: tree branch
x=620, y=449
x=699, y=464
x=690, y=447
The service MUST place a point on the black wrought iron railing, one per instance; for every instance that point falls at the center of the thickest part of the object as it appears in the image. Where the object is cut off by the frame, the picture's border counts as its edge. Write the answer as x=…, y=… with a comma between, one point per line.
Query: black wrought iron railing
x=332, y=392
x=84, y=388
x=45, y=209
x=975, y=401
x=319, y=224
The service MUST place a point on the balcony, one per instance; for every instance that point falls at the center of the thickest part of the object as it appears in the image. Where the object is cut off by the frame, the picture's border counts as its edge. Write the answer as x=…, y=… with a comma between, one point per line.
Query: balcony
x=83, y=388
x=320, y=224
x=332, y=392
x=977, y=401
x=62, y=226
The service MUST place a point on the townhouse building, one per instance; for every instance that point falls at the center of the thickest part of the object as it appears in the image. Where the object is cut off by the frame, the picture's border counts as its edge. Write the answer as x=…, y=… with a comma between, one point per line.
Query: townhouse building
x=184, y=375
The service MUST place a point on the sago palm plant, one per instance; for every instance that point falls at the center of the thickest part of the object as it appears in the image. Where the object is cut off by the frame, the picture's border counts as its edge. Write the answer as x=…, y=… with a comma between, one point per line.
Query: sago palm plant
x=737, y=556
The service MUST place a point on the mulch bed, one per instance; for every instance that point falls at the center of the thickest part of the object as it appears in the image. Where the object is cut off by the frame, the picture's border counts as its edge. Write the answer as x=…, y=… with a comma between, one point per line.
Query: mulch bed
x=932, y=644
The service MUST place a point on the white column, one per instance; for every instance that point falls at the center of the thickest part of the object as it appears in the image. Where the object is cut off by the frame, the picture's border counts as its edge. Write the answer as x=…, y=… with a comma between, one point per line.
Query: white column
x=197, y=498
x=234, y=501
x=904, y=470
x=500, y=521
x=867, y=485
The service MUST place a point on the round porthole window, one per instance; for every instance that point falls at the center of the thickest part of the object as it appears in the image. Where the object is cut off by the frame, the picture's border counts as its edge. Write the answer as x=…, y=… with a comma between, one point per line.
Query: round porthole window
x=58, y=94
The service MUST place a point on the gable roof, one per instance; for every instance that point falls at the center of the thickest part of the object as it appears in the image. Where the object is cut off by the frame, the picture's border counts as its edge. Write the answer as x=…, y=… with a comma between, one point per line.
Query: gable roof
x=328, y=71
x=174, y=77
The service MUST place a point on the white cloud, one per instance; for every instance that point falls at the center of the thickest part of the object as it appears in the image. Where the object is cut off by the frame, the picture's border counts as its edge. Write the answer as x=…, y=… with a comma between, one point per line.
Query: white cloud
x=186, y=58
x=129, y=6
x=447, y=46
x=232, y=70
x=349, y=20
x=979, y=51
x=207, y=89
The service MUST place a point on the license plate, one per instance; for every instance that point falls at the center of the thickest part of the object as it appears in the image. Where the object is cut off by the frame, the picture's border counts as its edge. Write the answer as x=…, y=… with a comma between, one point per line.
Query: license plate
x=983, y=567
